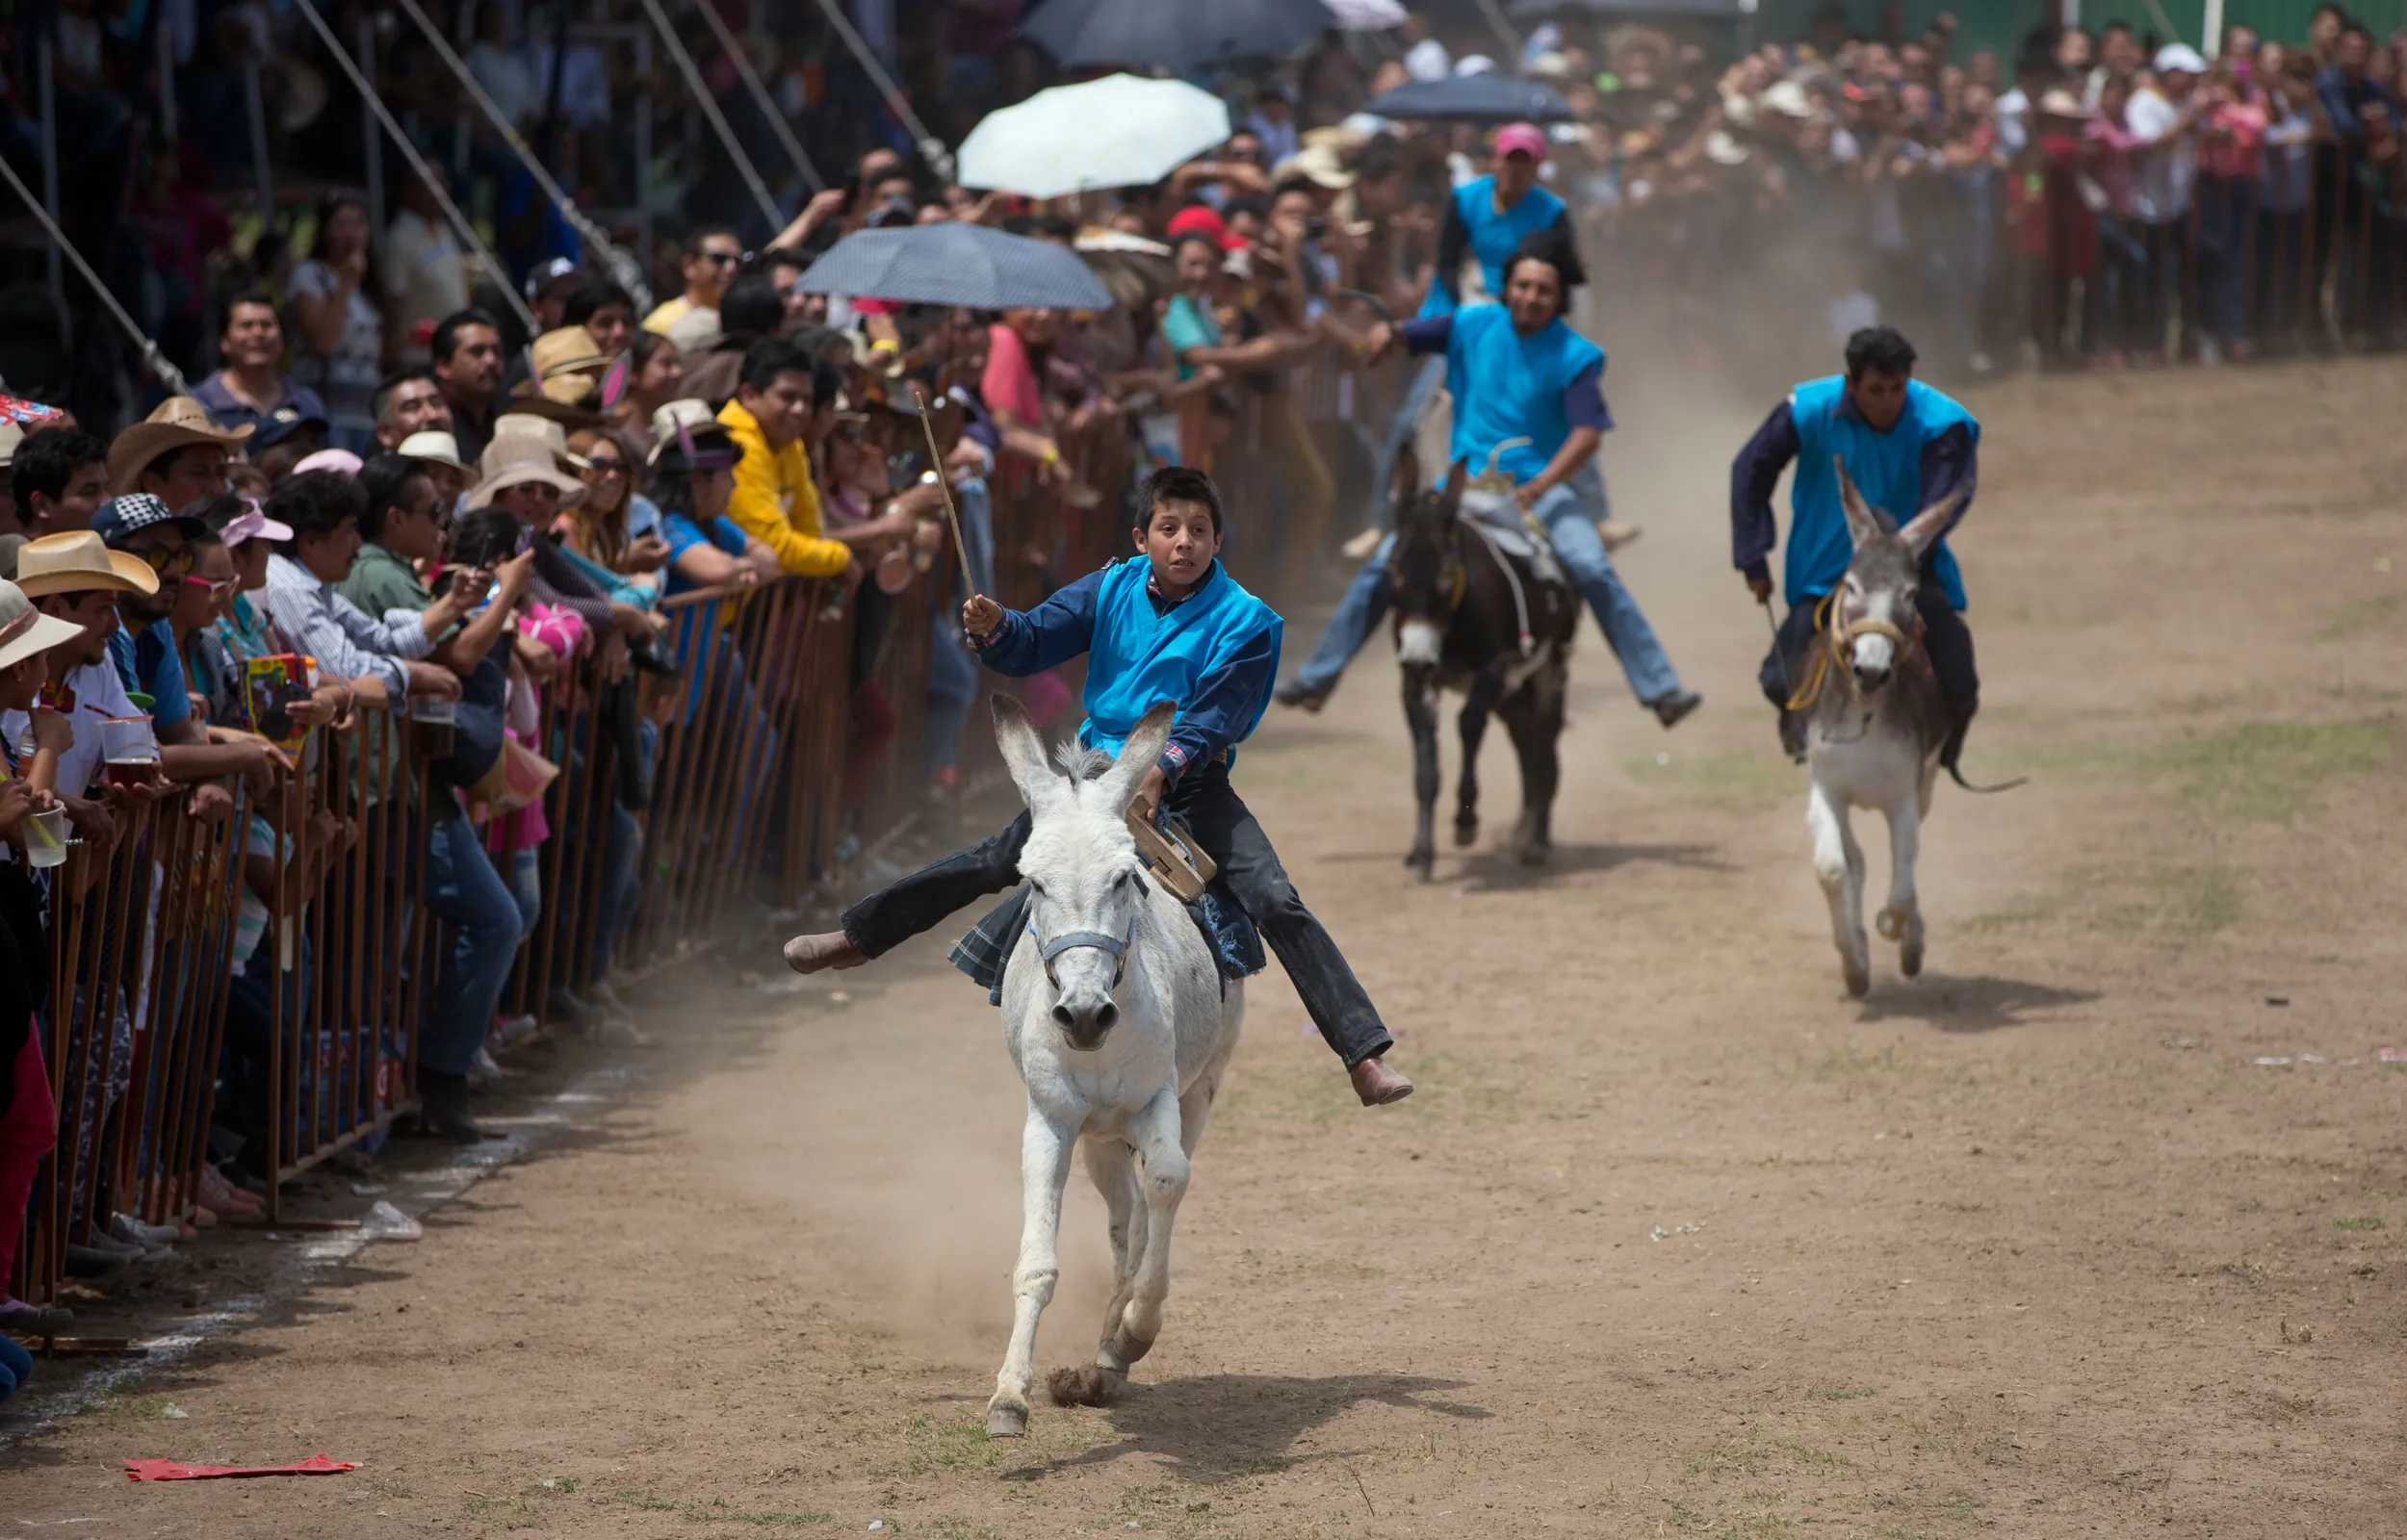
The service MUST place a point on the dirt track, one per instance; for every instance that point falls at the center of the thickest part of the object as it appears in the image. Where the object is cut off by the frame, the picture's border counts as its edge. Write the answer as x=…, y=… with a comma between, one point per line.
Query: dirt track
x=1675, y=1239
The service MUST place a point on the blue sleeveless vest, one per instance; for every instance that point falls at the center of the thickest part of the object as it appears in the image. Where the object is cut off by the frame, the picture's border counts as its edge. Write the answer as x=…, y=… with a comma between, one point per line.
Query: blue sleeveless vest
x=1494, y=236
x=1140, y=659
x=1887, y=468
x=1508, y=386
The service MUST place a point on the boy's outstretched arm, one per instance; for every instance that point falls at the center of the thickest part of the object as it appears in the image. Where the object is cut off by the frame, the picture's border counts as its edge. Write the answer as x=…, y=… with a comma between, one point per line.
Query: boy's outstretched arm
x=1031, y=641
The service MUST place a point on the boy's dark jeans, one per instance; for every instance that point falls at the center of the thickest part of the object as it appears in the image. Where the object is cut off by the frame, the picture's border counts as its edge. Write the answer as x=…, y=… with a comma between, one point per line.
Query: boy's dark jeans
x=1248, y=866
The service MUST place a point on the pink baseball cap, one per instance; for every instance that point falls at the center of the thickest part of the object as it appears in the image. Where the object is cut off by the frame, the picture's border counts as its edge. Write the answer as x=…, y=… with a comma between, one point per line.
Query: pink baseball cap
x=252, y=523
x=1521, y=139
x=342, y=460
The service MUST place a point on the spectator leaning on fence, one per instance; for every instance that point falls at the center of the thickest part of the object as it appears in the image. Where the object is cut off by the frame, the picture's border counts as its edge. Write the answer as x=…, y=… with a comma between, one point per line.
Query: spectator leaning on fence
x=75, y=578
x=143, y=650
x=775, y=498
x=28, y=1121
x=401, y=527
x=60, y=478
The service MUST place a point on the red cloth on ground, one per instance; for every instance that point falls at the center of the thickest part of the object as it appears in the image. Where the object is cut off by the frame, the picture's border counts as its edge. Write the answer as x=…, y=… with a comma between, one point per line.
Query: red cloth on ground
x=319, y=1464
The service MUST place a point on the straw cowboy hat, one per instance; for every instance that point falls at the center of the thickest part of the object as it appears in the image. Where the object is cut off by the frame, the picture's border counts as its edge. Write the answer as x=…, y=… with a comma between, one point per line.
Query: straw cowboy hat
x=565, y=370
x=544, y=431
x=693, y=415
x=511, y=461
x=26, y=631
x=78, y=561
x=435, y=446
x=178, y=421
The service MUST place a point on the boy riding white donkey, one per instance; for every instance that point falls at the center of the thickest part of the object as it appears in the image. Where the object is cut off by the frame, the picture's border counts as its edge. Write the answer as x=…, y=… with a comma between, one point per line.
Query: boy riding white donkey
x=1179, y=673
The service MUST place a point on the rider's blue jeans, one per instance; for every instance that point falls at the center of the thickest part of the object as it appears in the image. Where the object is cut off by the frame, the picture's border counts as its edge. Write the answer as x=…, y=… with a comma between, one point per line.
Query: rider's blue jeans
x=1568, y=513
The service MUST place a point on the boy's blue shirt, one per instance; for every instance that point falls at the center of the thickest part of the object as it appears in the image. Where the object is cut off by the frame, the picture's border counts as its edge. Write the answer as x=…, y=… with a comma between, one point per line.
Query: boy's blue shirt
x=1214, y=653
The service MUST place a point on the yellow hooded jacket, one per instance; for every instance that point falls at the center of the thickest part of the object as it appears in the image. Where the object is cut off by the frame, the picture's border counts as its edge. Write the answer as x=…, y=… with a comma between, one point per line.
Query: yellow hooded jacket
x=776, y=501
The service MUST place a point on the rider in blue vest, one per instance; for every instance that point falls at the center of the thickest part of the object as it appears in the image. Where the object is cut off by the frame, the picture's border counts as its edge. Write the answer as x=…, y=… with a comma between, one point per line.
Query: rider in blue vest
x=1906, y=447
x=1172, y=626
x=1516, y=370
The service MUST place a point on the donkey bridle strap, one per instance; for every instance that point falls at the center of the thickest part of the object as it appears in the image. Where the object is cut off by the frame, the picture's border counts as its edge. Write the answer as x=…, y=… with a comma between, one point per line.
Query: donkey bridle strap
x=1072, y=940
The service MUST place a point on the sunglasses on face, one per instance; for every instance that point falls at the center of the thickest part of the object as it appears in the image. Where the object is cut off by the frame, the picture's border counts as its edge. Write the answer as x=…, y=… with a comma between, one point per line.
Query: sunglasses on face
x=171, y=561
x=722, y=259
x=607, y=467
x=215, y=586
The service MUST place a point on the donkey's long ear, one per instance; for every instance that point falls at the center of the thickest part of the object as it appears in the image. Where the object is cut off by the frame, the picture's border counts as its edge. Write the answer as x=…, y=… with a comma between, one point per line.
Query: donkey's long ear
x=1927, y=525
x=1457, y=479
x=1040, y=785
x=1864, y=521
x=1404, y=485
x=1138, y=755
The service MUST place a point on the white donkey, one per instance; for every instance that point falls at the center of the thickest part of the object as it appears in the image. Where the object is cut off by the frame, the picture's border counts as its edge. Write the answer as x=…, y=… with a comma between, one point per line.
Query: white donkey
x=1114, y=1014
x=1874, y=726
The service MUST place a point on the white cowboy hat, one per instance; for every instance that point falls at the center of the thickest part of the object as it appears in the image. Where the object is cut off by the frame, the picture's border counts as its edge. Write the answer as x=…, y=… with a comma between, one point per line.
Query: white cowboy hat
x=527, y=427
x=512, y=460
x=26, y=631
x=435, y=446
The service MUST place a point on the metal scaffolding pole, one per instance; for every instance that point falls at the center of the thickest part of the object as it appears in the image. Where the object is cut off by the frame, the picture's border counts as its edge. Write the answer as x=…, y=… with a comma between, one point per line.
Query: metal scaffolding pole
x=373, y=159
x=50, y=171
x=718, y=120
x=256, y=107
x=169, y=374
x=931, y=149
x=461, y=226
x=622, y=267
x=761, y=98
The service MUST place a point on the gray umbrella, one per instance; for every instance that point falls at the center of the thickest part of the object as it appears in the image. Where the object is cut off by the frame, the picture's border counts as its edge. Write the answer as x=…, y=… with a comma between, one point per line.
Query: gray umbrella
x=956, y=265
x=1472, y=99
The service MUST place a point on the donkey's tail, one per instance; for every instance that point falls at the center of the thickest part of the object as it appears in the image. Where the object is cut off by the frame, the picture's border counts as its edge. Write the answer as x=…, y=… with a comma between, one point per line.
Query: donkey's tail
x=1958, y=776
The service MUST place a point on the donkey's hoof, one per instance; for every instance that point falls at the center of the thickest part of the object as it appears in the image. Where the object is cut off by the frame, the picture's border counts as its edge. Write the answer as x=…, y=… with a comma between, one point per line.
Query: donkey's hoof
x=1423, y=862
x=1858, y=981
x=1087, y=1385
x=1892, y=923
x=1534, y=853
x=1006, y=1421
x=1466, y=831
x=1910, y=958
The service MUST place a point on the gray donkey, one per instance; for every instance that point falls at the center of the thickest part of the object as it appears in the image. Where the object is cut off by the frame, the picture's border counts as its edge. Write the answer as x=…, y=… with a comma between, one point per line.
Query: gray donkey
x=1875, y=725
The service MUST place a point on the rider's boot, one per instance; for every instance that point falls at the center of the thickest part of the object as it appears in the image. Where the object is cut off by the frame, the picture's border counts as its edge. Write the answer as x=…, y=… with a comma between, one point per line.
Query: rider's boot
x=1377, y=1083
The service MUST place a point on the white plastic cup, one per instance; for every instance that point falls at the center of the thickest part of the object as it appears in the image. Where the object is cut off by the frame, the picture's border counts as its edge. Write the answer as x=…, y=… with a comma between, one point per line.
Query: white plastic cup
x=45, y=838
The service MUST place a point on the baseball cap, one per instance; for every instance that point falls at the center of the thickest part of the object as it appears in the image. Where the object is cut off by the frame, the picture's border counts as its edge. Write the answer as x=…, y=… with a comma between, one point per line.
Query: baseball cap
x=123, y=517
x=1202, y=219
x=2179, y=59
x=252, y=523
x=1521, y=139
x=281, y=425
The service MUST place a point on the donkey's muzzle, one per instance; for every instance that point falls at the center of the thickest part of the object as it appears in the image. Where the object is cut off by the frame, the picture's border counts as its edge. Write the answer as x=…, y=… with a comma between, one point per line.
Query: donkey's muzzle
x=1087, y=1026
x=1870, y=677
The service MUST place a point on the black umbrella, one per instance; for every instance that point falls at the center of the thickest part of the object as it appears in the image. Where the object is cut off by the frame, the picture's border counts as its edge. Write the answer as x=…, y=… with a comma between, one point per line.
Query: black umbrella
x=1472, y=99
x=956, y=265
x=1174, y=35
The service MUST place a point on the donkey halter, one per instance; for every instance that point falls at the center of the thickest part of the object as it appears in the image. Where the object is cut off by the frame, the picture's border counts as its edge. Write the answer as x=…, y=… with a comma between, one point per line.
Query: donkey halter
x=1837, y=638
x=1072, y=940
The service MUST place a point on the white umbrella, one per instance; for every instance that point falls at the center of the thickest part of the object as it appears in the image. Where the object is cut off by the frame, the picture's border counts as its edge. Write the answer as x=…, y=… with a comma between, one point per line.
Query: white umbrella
x=1366, y=15
x=1120, y=131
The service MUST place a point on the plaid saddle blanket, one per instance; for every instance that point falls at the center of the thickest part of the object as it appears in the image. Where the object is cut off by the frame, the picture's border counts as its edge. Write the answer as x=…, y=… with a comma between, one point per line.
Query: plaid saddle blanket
x=1228, y=930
